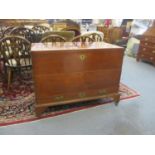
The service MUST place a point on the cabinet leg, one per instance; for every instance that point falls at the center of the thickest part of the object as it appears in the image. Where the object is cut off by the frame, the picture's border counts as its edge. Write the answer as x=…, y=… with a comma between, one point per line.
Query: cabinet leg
x=40, y=110
x=116, y=99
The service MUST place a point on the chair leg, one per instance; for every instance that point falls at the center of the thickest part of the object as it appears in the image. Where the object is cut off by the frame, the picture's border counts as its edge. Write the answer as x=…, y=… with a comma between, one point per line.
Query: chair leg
x=9, y=76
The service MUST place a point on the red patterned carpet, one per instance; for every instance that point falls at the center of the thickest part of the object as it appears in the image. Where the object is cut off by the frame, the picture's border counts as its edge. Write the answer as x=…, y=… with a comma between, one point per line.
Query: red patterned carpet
x=17, y=104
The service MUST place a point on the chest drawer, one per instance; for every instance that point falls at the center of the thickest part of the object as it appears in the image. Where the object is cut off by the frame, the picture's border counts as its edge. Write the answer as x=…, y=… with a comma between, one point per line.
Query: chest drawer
x=65, y=96
x=71, y=62
x=48, y=85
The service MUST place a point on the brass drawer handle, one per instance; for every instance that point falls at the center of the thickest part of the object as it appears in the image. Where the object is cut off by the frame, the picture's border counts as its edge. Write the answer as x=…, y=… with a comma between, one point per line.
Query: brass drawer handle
x=82, y=57
x=151, y=58
x=58, y=98
x=146, y=38
x=102, y=91
x=82, y=94
x=146, y=43
x=144, y=49
x=153, y=52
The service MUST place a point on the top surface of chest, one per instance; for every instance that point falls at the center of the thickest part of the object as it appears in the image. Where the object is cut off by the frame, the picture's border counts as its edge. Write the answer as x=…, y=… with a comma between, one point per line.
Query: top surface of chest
x=69, y=46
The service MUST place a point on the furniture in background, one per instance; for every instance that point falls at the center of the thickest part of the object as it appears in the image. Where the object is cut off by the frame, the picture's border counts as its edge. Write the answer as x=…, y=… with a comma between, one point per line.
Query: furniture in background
x=67, y=25
x=68, y=35
x=39, y=30
x=95, y=35
x=1, y=63
x=106, y=31
x=53, y=38
x=147, y=46
x=83, y=39
x=116, y=34
x=7, y=31
x=1, y=31
x=111, y=35
x=15, y=51
x=132, y=47
x=67, y=74
x=22, y=22
x=24, y=32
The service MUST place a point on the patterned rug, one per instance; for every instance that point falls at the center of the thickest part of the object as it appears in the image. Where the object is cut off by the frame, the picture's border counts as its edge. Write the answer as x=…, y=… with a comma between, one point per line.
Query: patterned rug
x=17, y=104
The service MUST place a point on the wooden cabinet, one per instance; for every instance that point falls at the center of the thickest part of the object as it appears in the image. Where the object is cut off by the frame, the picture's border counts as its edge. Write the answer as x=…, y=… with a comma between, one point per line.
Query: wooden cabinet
x=111, y=35
x=66, y=73
x=147, y=46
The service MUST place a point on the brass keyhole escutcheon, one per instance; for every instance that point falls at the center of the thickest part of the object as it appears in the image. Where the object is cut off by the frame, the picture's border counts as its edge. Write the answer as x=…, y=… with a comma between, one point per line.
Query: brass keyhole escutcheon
x=82, y=57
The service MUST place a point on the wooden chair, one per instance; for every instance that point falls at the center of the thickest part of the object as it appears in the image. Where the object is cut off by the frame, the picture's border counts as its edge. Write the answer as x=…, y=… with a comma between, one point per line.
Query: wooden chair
x=1, y=32
x=16, y=55
x=39, y=30
x=7, y=31
x=24, y=32
x=82, y=41
x=68, y=35
x=96, y=37
x=53, y=38
x=83, y=38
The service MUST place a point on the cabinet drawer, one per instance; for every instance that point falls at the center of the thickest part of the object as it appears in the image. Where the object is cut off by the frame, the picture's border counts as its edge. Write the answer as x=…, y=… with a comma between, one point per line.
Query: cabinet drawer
x=148, y=39
x=150, y=50
x=146, y=56
x=75, y=61
x=147, y=44
x=47, y=85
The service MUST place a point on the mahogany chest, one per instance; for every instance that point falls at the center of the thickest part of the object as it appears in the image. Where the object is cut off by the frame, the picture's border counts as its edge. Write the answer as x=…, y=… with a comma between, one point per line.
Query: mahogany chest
x=65, y=73
x=147, y=46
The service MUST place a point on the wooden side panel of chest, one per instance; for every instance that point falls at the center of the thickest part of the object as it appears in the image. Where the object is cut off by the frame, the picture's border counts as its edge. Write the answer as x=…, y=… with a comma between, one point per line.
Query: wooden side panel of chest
x=64, y=77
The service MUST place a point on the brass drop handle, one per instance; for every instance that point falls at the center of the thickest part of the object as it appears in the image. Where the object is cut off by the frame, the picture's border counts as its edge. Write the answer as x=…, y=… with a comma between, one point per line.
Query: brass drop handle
x=144, y=49
x=146, y=38
x=82, y=94
x=151, y=58
x=82, y=57
x=146, y=43
x=102, y=91
x=58, y=98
